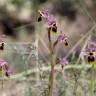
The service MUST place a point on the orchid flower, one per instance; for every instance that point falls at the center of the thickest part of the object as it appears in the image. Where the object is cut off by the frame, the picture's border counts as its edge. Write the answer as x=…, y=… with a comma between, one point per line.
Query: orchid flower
x=62, y=62
x=90, y=53
x=62, y=38
x=4, y=67
x=49, y=20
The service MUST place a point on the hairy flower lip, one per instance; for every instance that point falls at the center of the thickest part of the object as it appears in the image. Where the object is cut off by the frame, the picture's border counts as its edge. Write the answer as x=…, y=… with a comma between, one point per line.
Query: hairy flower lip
x=91, y=59
x=39, y=18
x=2, y=46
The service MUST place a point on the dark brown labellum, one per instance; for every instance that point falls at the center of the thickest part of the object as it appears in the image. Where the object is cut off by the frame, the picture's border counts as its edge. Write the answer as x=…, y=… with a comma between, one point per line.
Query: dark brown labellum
x=90, y=53
x=66, y=43
x=6, y=74
x=54, y=29
x=2, y=46
x=39, y=19
x=91, y=59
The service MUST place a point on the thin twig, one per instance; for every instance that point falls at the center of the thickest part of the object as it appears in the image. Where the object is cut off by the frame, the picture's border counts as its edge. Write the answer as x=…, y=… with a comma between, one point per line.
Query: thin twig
x=36, y=70
x=83, y=49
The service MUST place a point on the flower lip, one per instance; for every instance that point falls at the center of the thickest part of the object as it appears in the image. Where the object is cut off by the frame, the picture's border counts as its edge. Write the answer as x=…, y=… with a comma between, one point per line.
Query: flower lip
x=91, y=59
x=2, y=46
x=90, y=53
x=39, y=19
x=54, y=28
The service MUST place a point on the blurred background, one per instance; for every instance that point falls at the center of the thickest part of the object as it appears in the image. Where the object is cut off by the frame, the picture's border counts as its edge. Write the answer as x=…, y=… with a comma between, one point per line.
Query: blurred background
x=18, y=22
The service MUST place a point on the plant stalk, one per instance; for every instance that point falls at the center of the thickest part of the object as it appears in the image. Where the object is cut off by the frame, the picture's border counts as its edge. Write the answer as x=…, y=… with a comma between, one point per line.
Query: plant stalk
x=92, y=81
x=51, y=77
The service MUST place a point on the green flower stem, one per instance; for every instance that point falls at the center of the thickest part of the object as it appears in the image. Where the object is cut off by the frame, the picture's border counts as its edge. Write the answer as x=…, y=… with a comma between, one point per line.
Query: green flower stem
x=2, y=76
x=92, y=81
x=51, y=77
